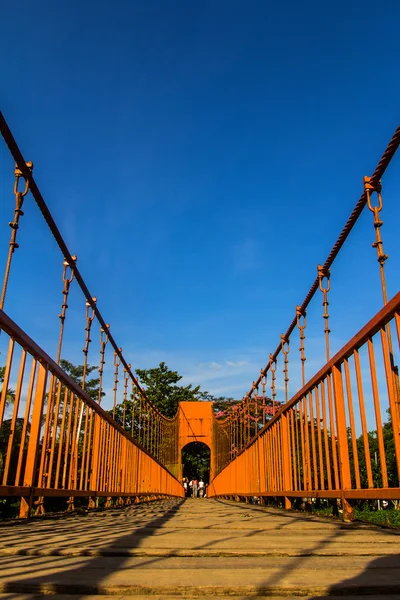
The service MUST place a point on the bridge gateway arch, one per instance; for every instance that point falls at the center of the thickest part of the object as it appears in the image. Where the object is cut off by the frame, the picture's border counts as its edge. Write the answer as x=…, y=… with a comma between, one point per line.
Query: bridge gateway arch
x=195, y=424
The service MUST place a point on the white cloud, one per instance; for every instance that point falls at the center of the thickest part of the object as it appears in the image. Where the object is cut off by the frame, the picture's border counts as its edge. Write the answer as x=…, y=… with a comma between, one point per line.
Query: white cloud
x=237, y=364
x=215, y=366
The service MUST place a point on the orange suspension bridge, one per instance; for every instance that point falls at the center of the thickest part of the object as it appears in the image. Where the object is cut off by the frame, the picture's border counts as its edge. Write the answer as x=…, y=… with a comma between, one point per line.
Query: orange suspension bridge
x=58, y=441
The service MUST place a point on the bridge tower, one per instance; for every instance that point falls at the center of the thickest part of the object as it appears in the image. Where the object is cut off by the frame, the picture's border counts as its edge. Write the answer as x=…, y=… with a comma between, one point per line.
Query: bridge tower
x=195, y=425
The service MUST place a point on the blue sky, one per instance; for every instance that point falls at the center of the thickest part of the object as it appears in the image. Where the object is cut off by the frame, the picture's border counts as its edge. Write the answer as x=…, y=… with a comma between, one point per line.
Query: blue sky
x=200, y=159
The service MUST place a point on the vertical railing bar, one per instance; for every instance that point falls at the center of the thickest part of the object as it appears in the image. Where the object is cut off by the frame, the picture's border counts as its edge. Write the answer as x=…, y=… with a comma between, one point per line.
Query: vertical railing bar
x=314, y=453
x=54, y=436
x=14, y=415
x=26, y=421
x=319, y=437
x=307, y=443
x=363, y=418
x=392, y=388
x=342, y=443
x=299, y=455
x=67, y=452
x=74, y=446
x=34, y=439
x=62, y=437
x=89, y=448
x=377, y=408
x=294, y=453
x=352, y=424
x=326, y=437
x=83, y=457
x=6, y=380
x=303, y=454
x=333, y=433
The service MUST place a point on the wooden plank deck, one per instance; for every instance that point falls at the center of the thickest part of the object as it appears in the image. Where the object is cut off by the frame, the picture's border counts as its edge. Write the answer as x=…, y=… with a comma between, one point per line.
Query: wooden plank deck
x=197, y=548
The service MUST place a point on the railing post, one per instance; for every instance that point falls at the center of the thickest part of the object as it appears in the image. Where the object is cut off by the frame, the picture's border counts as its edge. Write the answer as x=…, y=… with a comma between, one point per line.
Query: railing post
x=96, y=452
x=261, y=463
x=122, y=466
x=285, y=447
x=344, y=461
x=34, y=439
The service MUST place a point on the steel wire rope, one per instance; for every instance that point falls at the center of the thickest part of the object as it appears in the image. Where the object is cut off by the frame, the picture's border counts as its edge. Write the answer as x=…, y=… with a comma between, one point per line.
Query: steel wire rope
x=359, y=207
x=33, y=188
x=19, y=159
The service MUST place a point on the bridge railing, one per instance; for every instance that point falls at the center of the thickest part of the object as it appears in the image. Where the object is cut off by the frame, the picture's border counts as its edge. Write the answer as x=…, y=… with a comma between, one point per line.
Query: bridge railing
x=337, y=436
x=60, y=442
x=284, y=372
x=55, y=435
x=310, y=447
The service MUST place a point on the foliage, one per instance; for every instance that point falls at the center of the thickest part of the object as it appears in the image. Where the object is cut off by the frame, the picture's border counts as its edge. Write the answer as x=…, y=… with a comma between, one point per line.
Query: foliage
x=5, y=433
x=381, y=517
x=367, y=511
x=10, y=395
x=163, y=391
x=196, y=461
x=76, y=373
x=388, y=441
x=223, y=406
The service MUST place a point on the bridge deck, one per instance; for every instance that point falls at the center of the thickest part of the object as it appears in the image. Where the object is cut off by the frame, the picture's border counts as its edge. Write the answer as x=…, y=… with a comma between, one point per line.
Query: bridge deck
x=197, y=548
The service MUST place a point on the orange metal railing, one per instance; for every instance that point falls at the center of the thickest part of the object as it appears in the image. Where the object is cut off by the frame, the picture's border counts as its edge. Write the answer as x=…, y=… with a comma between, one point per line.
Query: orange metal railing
x=62, y=443
x=55, y=438
x=310, y=447
x=307, y=444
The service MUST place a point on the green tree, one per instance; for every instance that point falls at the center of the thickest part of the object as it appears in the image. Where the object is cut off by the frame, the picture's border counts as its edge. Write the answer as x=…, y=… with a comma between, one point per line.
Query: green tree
x=5, y=433
x=222, y=406
x=388, y=440
x=390, y=456
x=196, y=461
x=162, y=389
x=76, y=373
x=10, y=395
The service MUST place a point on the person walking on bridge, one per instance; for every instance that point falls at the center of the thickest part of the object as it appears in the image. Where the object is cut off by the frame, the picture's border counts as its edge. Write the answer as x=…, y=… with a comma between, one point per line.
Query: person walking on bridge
x=194, y=488
x=201, y=488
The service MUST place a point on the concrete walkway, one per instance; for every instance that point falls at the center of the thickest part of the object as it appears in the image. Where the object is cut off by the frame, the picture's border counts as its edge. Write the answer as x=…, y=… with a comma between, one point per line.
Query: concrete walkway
x=197, y=548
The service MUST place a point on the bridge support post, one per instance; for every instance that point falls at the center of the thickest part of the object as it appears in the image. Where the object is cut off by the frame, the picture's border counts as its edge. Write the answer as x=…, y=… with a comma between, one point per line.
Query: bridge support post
x=287, y=503
x=34, y=436
x=287, y=471
x=344, y=462
x=96, y=450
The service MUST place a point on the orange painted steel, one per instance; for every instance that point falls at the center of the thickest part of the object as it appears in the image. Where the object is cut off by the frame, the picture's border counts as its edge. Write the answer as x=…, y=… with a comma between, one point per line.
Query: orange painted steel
x=309, y=448
x=326, y=454
x=102, y=461
x=195, y=424
x=24, y=171
x=60, y=442
x=234, y=433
